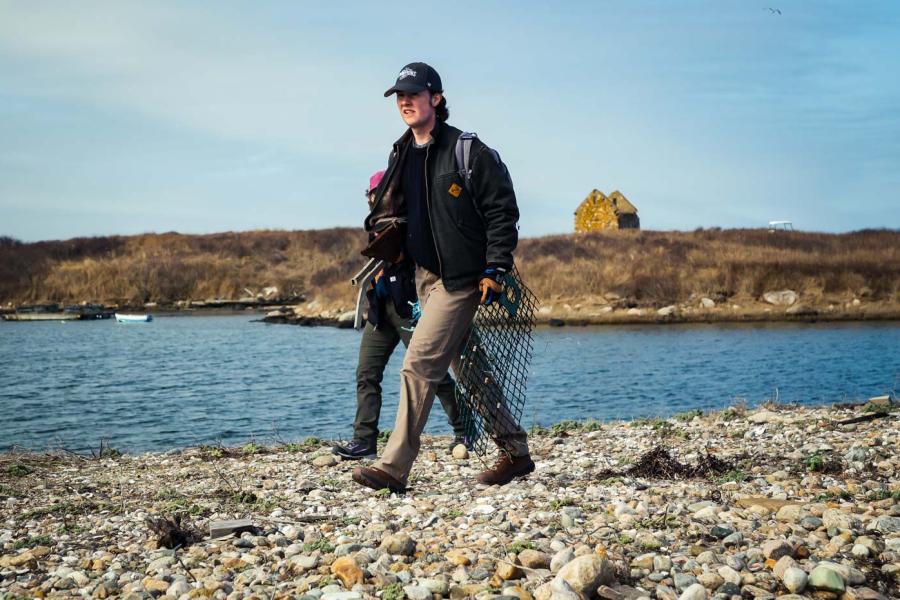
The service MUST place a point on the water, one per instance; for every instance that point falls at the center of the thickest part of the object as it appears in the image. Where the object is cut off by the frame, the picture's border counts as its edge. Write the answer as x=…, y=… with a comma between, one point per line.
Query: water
x=178, y=382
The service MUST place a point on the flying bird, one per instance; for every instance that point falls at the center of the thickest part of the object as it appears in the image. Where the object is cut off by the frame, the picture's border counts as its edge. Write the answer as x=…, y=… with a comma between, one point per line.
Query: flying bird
x=774, y=11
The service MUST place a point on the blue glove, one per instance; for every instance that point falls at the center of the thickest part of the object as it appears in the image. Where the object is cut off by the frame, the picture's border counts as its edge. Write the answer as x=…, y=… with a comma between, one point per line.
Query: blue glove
x=491, y=284
x=416, y=315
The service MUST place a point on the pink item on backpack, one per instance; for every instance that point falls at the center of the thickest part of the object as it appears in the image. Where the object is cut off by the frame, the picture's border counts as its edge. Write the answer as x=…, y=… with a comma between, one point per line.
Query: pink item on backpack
x=375, y=179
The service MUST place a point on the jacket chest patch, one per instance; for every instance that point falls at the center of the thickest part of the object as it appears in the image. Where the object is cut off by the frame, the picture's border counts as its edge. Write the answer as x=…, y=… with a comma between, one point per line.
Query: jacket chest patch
x=455, y=190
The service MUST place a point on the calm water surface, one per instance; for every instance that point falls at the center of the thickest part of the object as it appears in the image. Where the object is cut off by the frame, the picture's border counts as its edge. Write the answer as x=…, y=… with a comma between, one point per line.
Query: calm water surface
x=184, y=381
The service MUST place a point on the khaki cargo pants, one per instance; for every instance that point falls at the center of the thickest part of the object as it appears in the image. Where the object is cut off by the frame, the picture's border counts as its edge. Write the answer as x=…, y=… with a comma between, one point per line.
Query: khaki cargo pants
x=434, y=347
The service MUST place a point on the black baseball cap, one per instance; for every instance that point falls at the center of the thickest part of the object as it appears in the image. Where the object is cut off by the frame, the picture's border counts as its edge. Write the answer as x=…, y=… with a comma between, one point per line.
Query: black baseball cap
x=416, y=77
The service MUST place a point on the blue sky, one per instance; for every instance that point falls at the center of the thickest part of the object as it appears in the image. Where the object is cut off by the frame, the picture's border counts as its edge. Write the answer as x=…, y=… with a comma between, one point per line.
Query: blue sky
x=120, y=117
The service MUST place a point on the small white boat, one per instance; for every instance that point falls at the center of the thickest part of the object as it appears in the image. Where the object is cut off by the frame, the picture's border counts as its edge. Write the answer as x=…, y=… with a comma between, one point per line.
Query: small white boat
x=126, y=318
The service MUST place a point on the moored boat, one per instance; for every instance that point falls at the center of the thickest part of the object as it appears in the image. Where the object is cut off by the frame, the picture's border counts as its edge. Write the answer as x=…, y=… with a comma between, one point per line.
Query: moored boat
x=132, y=318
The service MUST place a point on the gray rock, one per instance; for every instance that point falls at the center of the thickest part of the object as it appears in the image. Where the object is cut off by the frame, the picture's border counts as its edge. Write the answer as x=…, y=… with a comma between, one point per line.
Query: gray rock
x=400, y=544
x=341, y=596
x=795, y=579
x=694, y=592
x=824, y=578
x=178, y=588
x=729, y=575
x=586, y=573
x=662, y=563
x=417, y=592
x=781, y=297
x=667, y=310
x=735, y=539
x=729, y=589
x=561, y=558
x=435, y=586
x=811, y=523
x=887, y=524
x=684, y=580
x=775, y=549
x=664, y=592
x=839, y=519
x=757, y=592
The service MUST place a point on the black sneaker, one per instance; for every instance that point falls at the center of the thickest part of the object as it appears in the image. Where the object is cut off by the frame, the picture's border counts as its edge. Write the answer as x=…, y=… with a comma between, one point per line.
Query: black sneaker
x=461, y=439
x=355, y=450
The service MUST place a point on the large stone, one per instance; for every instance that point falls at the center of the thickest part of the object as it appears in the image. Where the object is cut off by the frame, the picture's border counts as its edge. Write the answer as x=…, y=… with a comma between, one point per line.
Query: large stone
x=399, y=544
x=178, y=588
x=458, y=558
x=347, y=570
x=790, y=513
x=824, y=578
x=764, y=416
x=326, y=460
x=341, y=596
x=839, y=519
x=560, y=559
x=729, y=575
x=155, y=585
x=794, y=579
x=417, y=592
x=460, y=452
x=710, y=580
x=506, y=571
x=667, y=310
x=435, y=586
x=775, y=549
x=534, y=559
x=770, y=504
x=781, y=297
x=586, y=573
x=887, y=524
x=784, y=563
x=694, y=592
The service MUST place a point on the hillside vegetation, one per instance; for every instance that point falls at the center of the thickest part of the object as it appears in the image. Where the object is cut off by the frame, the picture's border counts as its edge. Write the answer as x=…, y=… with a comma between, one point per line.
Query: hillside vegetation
x=636, y=268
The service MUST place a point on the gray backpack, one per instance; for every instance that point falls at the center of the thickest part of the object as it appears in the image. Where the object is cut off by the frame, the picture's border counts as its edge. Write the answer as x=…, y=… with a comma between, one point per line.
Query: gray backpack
x=463, y=155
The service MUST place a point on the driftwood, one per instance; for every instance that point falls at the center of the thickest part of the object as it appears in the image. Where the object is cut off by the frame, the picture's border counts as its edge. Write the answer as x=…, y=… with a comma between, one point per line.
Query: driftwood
x=866, y=418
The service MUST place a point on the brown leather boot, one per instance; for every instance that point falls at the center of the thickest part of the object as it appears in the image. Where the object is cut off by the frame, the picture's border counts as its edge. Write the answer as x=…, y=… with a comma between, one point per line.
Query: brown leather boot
x=506, y=469
x=377, y=479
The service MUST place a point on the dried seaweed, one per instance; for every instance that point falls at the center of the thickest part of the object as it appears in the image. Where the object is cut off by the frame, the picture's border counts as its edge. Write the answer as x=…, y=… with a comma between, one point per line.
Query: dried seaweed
x=173, y=532
x=658, y=463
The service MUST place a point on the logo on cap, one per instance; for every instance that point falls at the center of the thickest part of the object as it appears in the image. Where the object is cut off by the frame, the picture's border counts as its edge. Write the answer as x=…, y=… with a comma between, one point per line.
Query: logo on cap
x=406, y=72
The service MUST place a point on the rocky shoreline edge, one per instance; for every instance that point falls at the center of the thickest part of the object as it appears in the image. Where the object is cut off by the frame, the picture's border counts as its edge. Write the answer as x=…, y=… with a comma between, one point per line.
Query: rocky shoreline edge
x=777, y=502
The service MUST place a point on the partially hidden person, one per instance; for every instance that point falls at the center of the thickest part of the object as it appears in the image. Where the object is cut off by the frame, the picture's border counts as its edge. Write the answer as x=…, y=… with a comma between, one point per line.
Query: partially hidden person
x=462, y=245
x=389, y=321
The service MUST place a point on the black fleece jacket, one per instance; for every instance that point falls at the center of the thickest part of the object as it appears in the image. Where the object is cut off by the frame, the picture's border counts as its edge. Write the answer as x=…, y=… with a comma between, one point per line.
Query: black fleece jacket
x=470, y=232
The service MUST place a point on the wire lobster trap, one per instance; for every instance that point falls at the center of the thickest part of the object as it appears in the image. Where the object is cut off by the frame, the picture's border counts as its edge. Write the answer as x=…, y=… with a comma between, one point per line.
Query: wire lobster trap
x=494, y=363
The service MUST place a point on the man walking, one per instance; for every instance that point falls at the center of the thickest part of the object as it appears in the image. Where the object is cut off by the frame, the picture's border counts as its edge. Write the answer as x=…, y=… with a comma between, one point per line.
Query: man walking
x=389, y=321
x=462, y=246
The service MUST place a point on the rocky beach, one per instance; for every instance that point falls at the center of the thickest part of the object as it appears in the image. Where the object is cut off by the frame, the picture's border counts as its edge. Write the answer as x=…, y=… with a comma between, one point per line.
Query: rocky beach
x=775, y=502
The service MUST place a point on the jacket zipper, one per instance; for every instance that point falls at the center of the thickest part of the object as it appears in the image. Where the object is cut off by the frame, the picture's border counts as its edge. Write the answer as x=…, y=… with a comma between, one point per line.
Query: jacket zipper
x=437, y=250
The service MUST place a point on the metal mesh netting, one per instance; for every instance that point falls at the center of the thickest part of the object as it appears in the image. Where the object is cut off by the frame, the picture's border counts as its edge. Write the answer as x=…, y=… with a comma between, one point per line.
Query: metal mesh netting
x=493, y=367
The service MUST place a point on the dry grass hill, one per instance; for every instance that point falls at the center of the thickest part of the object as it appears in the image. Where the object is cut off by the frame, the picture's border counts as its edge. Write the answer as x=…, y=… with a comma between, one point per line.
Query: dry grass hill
x=580, y=272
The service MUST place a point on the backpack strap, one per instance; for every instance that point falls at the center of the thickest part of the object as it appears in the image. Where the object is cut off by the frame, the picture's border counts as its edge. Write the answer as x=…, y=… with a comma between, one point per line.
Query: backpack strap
x=463, y=152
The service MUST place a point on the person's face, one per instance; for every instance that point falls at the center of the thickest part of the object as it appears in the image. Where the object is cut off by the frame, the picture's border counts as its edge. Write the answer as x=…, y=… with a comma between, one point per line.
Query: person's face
x=371, y=197
x=417, y=109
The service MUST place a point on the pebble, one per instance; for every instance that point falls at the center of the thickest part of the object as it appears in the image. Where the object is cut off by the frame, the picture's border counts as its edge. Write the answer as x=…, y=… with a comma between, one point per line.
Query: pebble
x=756, y=538
x=829, y=580
x=795, y=579
x=694, y=592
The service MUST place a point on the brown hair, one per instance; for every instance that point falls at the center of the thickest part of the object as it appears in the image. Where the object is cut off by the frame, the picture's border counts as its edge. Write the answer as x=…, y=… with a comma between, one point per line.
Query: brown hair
x=441, y=111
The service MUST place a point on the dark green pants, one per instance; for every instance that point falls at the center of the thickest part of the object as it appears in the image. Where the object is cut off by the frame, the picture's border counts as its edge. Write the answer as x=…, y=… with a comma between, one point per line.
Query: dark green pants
x=375, y=350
